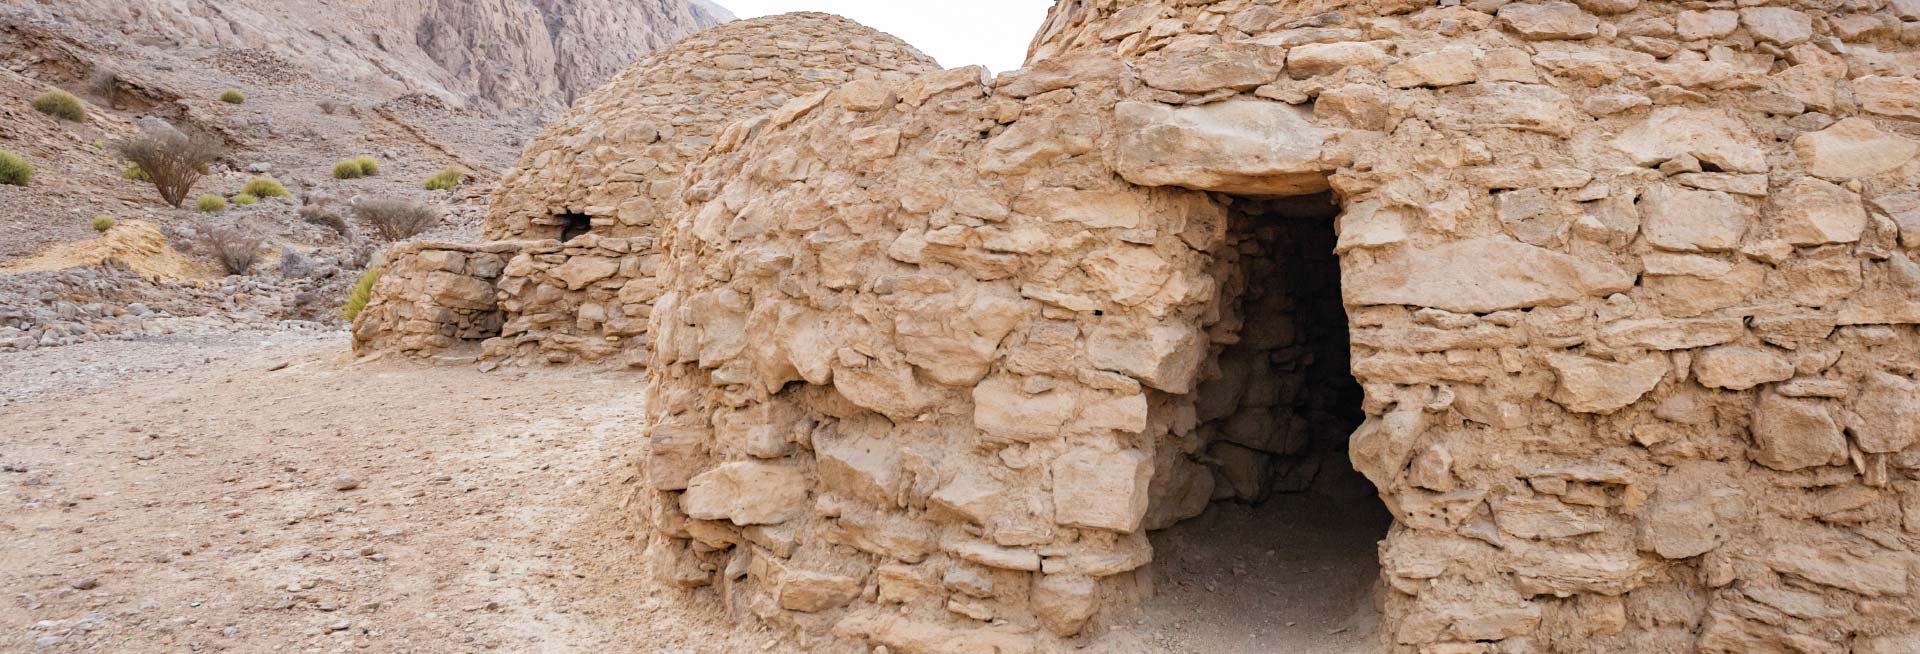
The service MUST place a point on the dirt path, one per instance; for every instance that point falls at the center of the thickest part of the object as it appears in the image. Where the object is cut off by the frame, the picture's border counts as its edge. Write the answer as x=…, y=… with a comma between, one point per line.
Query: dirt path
x=174, y=497
x=1293, y=576
x=187, y=496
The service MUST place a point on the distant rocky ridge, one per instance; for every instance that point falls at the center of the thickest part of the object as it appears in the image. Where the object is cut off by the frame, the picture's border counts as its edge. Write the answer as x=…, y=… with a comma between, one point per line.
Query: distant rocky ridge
x=512, y=55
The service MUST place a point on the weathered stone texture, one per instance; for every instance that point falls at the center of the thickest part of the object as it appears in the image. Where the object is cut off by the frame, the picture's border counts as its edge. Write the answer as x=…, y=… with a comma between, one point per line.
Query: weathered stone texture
x=1631, y=304
x=433, y=297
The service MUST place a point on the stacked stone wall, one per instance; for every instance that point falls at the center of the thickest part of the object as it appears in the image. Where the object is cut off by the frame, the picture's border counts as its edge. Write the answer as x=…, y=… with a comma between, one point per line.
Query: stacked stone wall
x=1631, y=290
x=586, y=301
x=434, y=297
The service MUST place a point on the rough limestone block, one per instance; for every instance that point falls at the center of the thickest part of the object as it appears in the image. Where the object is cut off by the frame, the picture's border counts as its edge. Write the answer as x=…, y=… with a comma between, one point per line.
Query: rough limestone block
x=1887, y=413
x=1240, y=145
x=1791, y=434
x=747, y=493
x=1589, y=385
x=1161, y=355
x=1480, y=276
x=1740, y=368
x=1545, y=21
x=1816, y=212
x=1101, y=490
x=1854, y=147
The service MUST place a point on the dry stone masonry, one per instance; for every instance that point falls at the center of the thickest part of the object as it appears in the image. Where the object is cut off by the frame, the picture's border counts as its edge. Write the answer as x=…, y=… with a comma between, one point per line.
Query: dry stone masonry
x=593, y=179
x=1627, y=290
x=619, y=153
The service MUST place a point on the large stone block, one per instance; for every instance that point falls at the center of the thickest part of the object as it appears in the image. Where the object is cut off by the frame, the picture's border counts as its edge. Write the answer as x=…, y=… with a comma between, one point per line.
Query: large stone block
x=1166, y=356
x=1791, y=434
x=747, y=493
x=1480, y=276
x=1101, y=490
x=1241, y=145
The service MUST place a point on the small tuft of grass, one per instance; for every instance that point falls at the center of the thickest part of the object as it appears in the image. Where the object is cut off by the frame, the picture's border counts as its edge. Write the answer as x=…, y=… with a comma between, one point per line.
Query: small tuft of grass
x=246, y=199
x=14, y=170
x=211, y=203
x=233, y=96
x=102, y=223
x=368, y=165
x=134, y=173
x=265, y=187
x=447, y=179
x=360, y=293
x=348, y=170
x=61, y=104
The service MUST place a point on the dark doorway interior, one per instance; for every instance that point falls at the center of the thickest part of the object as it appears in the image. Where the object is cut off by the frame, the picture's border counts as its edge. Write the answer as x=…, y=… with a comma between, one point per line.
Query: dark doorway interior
x=1285, y=558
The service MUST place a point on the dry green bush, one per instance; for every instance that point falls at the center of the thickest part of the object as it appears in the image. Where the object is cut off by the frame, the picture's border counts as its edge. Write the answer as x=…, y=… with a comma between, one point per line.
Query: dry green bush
x=447, y=179
x=265, y=187
x=233, y=96
x=211, y=203
x=102, y=223
x=14, y=170
x=61, y=104
x=396, y=219
x=360, y=293
x=172, y=162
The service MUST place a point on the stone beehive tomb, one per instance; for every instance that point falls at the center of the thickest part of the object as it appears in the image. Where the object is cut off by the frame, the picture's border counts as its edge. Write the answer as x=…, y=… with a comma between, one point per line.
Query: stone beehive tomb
x=576, y=218
x=1614, y=303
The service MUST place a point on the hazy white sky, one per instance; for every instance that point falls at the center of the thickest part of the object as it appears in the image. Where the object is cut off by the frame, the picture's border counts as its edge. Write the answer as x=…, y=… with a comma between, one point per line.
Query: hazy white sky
x=992, y=33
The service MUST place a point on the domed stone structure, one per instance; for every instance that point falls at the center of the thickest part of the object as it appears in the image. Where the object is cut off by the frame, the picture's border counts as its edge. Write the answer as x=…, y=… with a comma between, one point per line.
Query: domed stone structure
x=609, y=161
x=580, y=207
x=1614, y=304
x=1617, y=302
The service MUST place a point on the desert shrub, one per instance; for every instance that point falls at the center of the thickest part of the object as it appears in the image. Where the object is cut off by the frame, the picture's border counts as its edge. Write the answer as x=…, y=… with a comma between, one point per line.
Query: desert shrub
x=368, y=165
x=233, y=96
x=14, y=170
x=447, y=179
x=172, y=162
x=395, y=219
x=314, y=214
x=134, y=173
x=265, y=187
x=102, y=223
x=361, y=292
x=348, y=170
x=211, y=203
x=246, y=199
x=61, y=104
x=235, y=248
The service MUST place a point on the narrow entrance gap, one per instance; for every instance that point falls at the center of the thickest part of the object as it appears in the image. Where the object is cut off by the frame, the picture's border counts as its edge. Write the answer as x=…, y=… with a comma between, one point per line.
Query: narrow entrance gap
x=573, y=225
x=1284, y=559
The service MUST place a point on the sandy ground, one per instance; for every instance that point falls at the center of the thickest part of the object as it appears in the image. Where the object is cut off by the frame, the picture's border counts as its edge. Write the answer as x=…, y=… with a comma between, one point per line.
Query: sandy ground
x=1296, y=575
x=262, y=492
x=186, y=496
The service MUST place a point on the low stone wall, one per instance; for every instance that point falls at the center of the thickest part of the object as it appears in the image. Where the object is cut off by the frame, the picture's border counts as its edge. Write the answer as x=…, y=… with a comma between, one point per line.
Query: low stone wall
x=433, y=297
x=586, y=301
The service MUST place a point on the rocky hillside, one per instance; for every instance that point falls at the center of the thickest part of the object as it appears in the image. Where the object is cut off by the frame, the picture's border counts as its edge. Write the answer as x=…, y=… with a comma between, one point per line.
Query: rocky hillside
x=510, y=54
x=419, y=86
